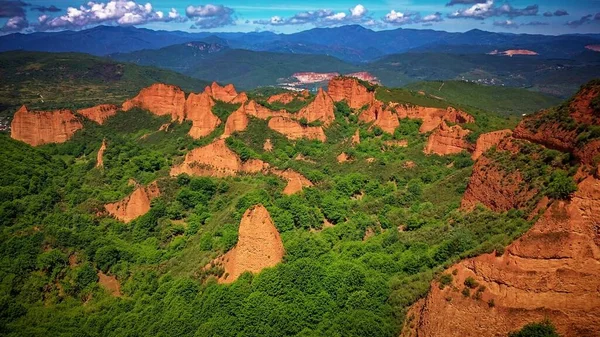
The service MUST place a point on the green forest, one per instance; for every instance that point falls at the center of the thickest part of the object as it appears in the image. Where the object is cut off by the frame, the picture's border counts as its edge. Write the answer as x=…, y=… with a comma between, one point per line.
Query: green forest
x=395, y=211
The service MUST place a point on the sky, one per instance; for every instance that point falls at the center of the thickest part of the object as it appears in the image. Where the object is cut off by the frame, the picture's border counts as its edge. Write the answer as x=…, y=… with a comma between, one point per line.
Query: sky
x=515, y=16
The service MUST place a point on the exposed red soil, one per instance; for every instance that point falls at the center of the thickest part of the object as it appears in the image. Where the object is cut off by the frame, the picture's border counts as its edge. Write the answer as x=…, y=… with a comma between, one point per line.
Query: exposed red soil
x=135, y=205
x=295, y=181
x=289, y=97
x=342, y=158
x=356, y=137
x=110, y=283
x=160, y=99
x=268, y=145
x=43, y=127
x=99, y=113
x=593, y=47
x=432, y=117
x=198, y=109
x=382, y=116
x=259, y=246
x=225, y=94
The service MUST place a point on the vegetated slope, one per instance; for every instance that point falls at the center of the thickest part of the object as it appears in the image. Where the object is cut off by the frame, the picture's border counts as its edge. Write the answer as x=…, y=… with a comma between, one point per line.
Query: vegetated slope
x=51, y=80
x=244, y=68
x=501, y=100
x=361, y=244
x=556, y=77
x=549, y=170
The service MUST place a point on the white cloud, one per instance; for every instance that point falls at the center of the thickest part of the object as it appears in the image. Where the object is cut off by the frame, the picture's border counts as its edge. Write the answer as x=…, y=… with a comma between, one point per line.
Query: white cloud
x=489, y=9
x=210, y=16
x=321, y=18
x=15, y=24
x=358, y=11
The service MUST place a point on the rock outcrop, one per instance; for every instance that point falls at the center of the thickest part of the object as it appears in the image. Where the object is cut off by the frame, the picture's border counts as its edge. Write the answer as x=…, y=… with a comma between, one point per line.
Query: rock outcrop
x=110, y=283
x=342, y=158
x=100, y=156
x=320, y=109
x=553, y=272
x=160, y=99
x=268, y=145
x=259, y=246
x=295, y=181
x=447, y=140
x=289, y=97
x=216, y=160
x=488, y=140
x=225, y=94
x=432, y=117
x=135, y=205
x=236, y=122
x=43, y=127
x=382, y=117
x=351, y=91
x=99, y=113
x=198, y=109
x=356, y=137
x=294, y=130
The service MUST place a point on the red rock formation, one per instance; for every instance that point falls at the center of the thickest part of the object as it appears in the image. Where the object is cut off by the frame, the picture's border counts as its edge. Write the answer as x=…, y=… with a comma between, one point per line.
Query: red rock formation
x=160, y=99
x=311, y=77
x=488, y=140
x=241, y=98
x=225, y=94
x=43, y=127
x=99, y=113
x=432, y=117
x=289, y=97
x=294, y=130
x=356, y=137
x=494, y=186
x=198, y=109
x=237, y=121
x=321, y=109
x=259, y=246
x=135, y=205
x=268, y=145
x=342, y=158
x=110, y=283
x=447, y=140
x=513, y=52
x=383, y=117
x=100, y=156
x=295, y=181
x=364, y=76
x=216, y=160
x=593, y=47
x=350, y=90
x=553, y=272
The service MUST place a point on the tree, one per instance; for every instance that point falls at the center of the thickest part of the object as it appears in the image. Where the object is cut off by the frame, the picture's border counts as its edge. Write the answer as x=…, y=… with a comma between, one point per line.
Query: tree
x=541, y=329
x=561, y=185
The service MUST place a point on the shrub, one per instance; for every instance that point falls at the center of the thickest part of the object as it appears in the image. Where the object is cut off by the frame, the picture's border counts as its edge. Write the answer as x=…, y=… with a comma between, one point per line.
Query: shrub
x=561, y=186
x=471, y=283
x=445, y=280
x=491, y=303
x=466, y=292
x=541, y=329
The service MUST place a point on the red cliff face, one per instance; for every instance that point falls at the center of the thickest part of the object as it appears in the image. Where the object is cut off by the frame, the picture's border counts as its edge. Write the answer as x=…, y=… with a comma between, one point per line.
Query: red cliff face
x=236, y=122
x=496, y=188
x=225, y=94
x=321, y=109
x=216, y=160
x=447, y=140
x=259, y=246
x=100, y=156
x=382, y=116
x=350, y=90
x=160, y=99
x=294, y=130
x=488, y=140
x=198, y=109
x=432, y=117
x=135, y=205
x=295, y=181
x=553, y=272
x=99, y=113
x=43, y=127
x=289, y=97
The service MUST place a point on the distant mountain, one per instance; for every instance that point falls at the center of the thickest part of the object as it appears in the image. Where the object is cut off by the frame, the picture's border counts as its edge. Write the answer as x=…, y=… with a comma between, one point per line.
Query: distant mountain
x=352, y=43
x=244, y=68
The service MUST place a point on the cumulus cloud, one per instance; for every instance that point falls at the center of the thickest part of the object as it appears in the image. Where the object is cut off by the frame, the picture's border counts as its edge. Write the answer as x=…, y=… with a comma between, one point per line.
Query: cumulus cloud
x=587, y=19
x=210, y=16
x=323, y=18
x=120, y=12
x=490, y=9
x=44, y=9
x=15, y=24
x=399, y=18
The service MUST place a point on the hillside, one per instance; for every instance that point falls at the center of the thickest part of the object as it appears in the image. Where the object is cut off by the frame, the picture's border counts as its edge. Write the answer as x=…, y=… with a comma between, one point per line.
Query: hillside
x=205, y=213
x=555, y=77
x=501, y=100
x=49, y=80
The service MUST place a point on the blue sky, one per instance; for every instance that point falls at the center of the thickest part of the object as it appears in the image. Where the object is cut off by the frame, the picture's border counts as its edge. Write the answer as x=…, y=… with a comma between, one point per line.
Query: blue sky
x=517, y=16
